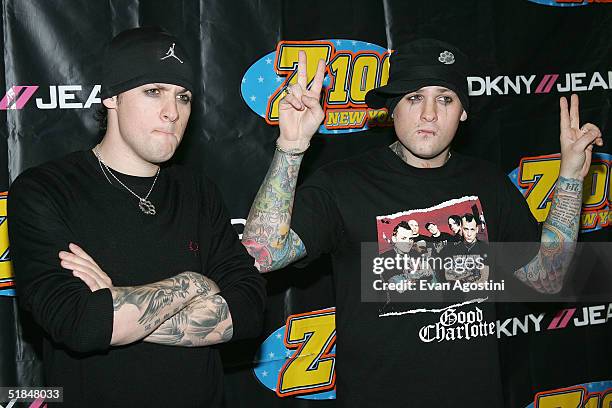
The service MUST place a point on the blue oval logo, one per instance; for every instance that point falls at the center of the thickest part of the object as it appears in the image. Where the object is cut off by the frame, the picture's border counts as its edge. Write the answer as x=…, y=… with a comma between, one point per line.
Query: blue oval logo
x=560, y=3
x=305, y=369
x=353, y=68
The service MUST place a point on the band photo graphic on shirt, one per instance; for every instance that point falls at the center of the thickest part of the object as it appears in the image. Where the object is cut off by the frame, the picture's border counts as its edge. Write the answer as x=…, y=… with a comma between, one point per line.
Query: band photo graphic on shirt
x=444, y=243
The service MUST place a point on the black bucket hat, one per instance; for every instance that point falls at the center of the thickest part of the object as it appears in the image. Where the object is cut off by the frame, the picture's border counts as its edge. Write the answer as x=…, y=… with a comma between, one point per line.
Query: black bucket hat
x=423, y=62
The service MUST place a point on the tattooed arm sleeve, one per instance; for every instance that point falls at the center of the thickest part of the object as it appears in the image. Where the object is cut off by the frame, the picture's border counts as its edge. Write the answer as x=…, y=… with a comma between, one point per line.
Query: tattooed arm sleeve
x=139, y=310
x=203, y=322
x=545, y=272
x=267, y=235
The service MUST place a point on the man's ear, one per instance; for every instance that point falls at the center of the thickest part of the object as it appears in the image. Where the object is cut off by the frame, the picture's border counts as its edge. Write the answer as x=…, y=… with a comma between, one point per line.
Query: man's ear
x=110, y=103
x=463, y=116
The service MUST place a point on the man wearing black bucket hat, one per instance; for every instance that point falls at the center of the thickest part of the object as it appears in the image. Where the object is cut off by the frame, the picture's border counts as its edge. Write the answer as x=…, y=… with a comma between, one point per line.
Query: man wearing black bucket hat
x=404, y=354
x=129, y=264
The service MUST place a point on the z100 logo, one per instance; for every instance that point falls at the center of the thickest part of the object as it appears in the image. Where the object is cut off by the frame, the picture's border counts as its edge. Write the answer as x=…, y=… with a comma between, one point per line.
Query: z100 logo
x=299, y=358
x=353, y=68
x=536, y=177
x=6, y=269
x=591, y=395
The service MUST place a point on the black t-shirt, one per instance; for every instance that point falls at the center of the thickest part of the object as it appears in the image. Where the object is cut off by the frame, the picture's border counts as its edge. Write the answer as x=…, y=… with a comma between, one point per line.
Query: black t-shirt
x=438, y=243
x=391, y=354
x=465, y=261
x=69, y=200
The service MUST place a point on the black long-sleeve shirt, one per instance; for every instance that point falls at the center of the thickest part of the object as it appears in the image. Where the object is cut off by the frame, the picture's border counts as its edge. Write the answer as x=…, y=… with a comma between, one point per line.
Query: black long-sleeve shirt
x=70, y=200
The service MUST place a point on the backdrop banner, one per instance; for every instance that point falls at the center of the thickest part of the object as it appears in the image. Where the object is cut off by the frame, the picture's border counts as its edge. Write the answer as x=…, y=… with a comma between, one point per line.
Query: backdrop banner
x=524, y=54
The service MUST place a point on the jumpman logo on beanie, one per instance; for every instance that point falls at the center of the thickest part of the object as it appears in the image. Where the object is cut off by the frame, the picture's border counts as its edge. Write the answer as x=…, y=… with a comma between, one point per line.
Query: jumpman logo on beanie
x=170, y=53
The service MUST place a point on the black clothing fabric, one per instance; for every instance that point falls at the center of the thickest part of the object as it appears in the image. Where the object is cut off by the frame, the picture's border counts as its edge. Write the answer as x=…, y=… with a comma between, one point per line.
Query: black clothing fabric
x=466, y=259
x=437, y=244
x=456, y=238
x=70, y=200
x=386, y=359
x=444, y=238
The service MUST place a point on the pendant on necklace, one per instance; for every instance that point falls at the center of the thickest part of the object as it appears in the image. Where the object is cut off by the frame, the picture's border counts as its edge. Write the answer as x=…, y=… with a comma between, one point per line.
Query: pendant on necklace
x=146, y=207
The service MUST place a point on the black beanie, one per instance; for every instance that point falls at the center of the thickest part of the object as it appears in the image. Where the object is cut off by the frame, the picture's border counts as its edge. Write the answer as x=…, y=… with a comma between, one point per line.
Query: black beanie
x=145, y=55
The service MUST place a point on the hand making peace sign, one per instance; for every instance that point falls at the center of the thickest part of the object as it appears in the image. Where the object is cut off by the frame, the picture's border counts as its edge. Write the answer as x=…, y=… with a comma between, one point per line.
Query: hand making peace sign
x=576, y=141
x=300, y=112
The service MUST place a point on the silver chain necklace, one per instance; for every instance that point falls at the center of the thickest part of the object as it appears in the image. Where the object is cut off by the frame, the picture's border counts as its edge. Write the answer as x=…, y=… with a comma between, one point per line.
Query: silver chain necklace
x=143, y=203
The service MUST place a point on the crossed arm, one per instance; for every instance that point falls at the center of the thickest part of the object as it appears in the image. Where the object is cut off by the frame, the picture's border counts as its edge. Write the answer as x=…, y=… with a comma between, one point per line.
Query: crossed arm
x=203, y=322
x=183, y=310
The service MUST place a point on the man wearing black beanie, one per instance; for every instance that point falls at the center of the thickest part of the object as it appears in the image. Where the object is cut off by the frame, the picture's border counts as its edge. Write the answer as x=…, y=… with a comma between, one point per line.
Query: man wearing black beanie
x=404, y=353
x=130, y=264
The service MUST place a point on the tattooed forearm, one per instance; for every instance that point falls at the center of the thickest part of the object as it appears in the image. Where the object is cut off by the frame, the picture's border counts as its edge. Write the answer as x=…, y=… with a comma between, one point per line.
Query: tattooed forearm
x=138, y=310
x=267, y=234
x=547, y=270
x=205, y=321
x=567, y=204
